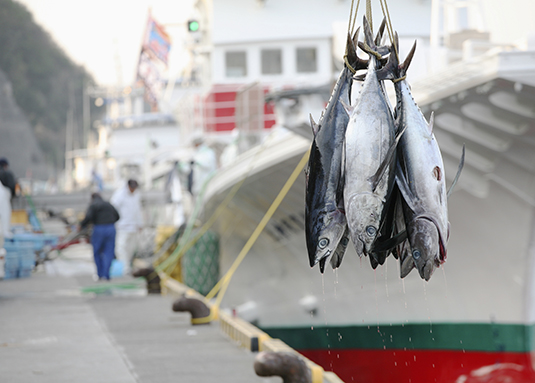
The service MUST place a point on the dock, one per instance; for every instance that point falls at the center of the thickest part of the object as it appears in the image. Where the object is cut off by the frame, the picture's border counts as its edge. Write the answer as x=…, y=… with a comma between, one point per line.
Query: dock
x=66, y=327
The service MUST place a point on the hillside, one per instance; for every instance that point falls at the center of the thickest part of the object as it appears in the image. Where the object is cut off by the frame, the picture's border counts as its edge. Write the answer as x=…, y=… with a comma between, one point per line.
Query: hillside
x=45, y=85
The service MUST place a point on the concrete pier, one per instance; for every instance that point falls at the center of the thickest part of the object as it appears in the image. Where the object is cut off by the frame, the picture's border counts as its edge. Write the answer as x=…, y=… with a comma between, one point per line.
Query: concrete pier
x=57, y=329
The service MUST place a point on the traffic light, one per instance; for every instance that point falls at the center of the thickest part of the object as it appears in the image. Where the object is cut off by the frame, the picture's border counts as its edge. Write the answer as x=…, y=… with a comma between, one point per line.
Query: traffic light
x=193, y=25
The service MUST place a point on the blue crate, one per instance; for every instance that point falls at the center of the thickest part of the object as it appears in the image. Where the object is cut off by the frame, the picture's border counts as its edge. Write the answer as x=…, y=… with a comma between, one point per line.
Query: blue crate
x=38, y=240
x=20, y=259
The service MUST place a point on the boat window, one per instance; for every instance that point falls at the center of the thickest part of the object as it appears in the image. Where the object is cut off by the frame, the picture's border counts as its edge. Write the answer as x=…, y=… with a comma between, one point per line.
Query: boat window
x=236, y=64
x=271, y=61
x=306, y=60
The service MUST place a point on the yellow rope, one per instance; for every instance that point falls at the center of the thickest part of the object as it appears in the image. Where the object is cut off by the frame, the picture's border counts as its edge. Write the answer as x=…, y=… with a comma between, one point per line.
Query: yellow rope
x=348, y=65
x=370, y=51
x=222, y=285
x=399, y=79
x=389, y=26
x=173, y=259
x=369, y=14
x=349, y=26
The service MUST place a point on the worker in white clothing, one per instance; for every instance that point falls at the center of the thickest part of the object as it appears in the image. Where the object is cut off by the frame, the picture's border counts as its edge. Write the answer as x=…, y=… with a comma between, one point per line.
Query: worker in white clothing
x=202, y=166
x=127, y=201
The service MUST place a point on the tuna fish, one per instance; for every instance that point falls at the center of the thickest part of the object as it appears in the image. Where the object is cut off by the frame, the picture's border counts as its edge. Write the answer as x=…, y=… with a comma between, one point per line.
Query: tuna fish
x=421, y=180
x=369, y=149
x=325, y=221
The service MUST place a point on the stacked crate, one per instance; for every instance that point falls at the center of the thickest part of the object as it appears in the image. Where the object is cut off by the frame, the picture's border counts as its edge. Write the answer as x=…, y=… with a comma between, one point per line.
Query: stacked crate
x=19, y=259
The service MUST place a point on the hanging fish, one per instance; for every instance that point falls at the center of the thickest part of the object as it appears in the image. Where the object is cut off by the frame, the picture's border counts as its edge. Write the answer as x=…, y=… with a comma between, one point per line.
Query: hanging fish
x=325, y=221
x=369, y=150
x=421, y=179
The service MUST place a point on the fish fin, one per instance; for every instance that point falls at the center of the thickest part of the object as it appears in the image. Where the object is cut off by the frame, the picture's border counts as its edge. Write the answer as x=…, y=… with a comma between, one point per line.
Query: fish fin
x=405, y=65
x=352, y=60
x=404, y=188
x=390, y=155
x=351, y=52
x=390, y=70
x=369, y=45
x=315, y=127
x=431, y=122
x=459, y=169
x=390, y=243
x=368, y=36
x=348, y=108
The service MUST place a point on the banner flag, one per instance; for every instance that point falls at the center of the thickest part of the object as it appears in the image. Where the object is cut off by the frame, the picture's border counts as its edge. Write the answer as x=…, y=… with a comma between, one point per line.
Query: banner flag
x=157, y=41
x=153, y=60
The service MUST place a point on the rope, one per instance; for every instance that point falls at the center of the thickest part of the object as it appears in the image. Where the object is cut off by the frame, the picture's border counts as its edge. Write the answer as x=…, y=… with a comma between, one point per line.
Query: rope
x=371, y=51
x=184, y=246
x=369, y=14
x=348, y=65
x=222, y=285
x=351, y=31
x=399, y=79
x=384, y=6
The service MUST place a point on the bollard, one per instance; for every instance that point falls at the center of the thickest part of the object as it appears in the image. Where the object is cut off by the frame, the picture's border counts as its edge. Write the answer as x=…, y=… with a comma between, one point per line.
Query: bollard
x=200, y=313
x=151, y=277
x=289, y=366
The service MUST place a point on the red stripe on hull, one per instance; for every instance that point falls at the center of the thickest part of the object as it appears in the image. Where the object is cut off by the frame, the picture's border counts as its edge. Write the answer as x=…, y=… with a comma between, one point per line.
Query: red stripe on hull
x=424, y=366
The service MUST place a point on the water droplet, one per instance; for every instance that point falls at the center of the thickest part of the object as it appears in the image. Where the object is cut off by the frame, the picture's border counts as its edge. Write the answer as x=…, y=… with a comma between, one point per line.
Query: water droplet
x=395, y=364
x=312, y=327
x=433, y=365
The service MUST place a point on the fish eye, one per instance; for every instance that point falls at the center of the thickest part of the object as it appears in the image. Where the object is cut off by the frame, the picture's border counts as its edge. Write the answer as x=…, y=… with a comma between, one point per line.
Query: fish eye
x=416, y=254
x=370, y=230
x=323, y=243
x=345, y=241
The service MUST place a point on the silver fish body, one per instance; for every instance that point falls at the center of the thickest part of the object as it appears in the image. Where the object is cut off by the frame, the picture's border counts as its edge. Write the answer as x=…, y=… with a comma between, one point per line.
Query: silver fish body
x=369, y=136
x=325, y=220
x=422, y=183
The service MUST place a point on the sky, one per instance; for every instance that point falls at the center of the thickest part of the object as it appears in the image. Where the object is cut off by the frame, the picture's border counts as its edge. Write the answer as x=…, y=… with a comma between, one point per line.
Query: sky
x=105, y=35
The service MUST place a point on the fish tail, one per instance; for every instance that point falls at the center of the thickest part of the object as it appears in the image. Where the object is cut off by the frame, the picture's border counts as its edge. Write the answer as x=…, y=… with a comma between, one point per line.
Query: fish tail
x=351, y=60
x=370, y=45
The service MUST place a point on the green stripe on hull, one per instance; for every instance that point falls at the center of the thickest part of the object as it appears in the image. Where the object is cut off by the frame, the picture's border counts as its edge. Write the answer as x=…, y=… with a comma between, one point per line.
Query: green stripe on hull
x=436, y=336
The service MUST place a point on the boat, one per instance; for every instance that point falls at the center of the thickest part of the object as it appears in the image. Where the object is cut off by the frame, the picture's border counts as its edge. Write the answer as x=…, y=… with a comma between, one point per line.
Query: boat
x=474, y=320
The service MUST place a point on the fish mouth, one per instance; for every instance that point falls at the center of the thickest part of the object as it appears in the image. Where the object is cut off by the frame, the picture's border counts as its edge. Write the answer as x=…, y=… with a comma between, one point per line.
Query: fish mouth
x=322, y=259
x=442, y=254
x=359, y=245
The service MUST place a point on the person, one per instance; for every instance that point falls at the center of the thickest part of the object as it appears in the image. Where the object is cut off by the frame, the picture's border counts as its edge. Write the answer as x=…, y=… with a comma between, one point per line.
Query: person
x=127, y=201
x=202, y=165
x=103, y=216
x=7, y=192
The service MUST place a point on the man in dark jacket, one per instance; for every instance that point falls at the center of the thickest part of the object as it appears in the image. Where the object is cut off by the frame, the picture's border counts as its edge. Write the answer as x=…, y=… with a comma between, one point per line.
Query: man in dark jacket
x=6, y=176
x=103, y=217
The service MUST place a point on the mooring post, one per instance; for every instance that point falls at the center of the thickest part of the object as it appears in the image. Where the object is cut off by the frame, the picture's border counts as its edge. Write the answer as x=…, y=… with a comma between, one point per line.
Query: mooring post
x=200, y=313
x=289, y=366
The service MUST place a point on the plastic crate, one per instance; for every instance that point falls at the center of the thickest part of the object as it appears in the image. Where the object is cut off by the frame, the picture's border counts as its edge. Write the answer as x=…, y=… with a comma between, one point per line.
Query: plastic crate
x=20, y=259
x=38, y=240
